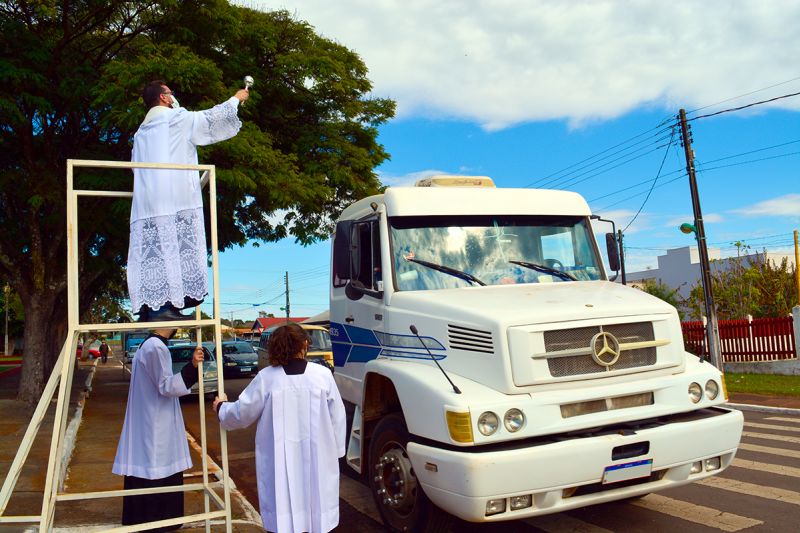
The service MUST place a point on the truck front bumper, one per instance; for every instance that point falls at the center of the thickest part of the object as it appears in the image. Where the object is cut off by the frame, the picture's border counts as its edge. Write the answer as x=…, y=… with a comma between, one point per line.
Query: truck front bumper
x=566, y=473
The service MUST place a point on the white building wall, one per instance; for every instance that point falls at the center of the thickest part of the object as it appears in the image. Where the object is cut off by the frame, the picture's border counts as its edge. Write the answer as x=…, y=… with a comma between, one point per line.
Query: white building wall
x=680, y=267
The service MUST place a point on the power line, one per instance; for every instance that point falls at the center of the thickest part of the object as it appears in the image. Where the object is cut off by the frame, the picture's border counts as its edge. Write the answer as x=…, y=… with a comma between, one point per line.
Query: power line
x=730, y=110
x=682, y=170
x=666, y=151
x=743, y=95
x=540, y=180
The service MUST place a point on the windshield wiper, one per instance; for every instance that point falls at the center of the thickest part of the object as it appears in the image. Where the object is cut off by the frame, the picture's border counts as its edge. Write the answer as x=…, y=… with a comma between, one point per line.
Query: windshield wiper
x=545, y=270
x=447, y=270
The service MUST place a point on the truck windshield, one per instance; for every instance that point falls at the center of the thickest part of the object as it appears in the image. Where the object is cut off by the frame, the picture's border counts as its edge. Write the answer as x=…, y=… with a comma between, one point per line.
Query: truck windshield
x=497, y=250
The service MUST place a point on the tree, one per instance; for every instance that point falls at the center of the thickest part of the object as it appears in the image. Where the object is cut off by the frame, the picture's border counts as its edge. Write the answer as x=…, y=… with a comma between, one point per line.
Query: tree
x=72, y=74
x=752, y=286
x=665, y=292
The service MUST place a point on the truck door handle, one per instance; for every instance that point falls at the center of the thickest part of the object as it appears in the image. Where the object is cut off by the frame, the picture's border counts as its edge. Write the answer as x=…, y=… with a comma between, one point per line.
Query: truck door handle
x=349, y=320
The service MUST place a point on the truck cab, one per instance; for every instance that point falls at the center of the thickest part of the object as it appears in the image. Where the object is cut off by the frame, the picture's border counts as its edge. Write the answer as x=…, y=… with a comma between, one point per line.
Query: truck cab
x=495, y=371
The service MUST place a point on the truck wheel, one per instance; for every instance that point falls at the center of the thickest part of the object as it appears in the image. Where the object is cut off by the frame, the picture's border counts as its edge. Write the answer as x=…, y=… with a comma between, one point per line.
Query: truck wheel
x=397, y=494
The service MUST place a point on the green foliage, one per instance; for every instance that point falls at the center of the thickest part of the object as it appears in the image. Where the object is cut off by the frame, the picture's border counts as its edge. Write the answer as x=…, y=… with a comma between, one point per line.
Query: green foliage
x=70, y=80
x=665, y=292
x=759, y=288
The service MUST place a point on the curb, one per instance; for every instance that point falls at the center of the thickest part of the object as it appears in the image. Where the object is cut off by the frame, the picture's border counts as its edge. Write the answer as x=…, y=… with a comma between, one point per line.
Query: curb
x=71, y=433
x=763, y=408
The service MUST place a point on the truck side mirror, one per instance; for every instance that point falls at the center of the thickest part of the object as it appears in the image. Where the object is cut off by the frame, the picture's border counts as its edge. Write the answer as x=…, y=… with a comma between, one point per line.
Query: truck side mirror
x=613, y=251
x=341, y=250
x=354, y=290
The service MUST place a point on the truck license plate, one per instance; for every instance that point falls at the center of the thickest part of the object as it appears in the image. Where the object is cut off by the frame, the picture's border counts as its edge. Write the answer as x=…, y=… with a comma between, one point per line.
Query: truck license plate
x=626, y=471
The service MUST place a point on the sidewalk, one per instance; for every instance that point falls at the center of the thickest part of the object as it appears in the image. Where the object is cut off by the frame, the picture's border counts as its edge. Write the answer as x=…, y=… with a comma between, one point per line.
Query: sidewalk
x=90, y=465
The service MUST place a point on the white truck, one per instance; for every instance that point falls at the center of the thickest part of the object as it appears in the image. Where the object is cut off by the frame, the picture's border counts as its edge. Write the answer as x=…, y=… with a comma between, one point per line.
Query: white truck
x=494, y=371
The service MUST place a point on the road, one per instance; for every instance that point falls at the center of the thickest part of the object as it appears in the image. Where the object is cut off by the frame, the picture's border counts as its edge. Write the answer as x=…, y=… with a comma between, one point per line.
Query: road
x=759, y=492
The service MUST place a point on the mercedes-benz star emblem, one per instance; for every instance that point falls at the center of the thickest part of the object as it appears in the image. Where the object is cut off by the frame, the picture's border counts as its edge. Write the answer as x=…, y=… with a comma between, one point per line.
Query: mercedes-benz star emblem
x=605, y=349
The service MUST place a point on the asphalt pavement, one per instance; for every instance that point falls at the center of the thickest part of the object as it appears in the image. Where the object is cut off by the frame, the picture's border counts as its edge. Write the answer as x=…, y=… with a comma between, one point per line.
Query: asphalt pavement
x=99, y=408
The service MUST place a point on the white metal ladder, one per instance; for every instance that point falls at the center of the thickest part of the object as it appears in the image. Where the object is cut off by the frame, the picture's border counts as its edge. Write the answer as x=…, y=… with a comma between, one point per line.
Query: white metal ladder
x=62, y=374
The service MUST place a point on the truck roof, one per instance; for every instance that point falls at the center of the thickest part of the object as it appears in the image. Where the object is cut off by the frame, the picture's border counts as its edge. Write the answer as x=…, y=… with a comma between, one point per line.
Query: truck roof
x=417, y=201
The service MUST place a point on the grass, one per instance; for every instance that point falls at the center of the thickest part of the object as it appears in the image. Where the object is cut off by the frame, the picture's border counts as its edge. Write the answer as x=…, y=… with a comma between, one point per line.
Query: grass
x=763, y=384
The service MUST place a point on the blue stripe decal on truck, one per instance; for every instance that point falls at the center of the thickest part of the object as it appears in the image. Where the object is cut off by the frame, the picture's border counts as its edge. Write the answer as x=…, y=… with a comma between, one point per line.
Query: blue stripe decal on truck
x=352, y=344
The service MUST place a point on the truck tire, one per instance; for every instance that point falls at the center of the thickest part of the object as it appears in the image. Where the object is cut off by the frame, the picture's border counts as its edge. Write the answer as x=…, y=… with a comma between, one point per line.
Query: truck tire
x=402, y=504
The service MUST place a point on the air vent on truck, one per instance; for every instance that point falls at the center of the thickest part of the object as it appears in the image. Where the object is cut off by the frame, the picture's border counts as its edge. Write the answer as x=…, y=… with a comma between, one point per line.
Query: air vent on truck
x=470, y=339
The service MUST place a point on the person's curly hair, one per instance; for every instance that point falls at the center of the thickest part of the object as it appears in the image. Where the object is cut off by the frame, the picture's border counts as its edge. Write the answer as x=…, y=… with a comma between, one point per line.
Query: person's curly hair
x=285, y=342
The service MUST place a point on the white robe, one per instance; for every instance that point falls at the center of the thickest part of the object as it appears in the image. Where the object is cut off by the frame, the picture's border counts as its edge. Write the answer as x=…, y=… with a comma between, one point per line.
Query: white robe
x=153, y=443
x=167, y=252
x=300, y=437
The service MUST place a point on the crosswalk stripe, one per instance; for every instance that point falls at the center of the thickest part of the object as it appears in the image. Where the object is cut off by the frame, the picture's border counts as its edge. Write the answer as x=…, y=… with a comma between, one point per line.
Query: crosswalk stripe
x=771, y=426
x=742, y=487
x=767, y=467
x=783, y=419
x=782, y=438
x=768, y=449
x=358, y=496
x=563, y=523
x=696, y=513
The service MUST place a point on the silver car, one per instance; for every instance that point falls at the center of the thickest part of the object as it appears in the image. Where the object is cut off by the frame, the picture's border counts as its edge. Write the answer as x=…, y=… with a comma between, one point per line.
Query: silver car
x=182, y=354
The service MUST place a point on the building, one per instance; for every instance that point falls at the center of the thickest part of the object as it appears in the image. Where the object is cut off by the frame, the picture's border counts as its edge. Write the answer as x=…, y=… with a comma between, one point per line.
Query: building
x=262, y=323
x=680, y=268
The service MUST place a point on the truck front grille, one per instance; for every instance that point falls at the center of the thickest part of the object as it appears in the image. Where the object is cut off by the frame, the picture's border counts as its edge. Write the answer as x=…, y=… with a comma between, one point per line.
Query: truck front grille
x=569, y=351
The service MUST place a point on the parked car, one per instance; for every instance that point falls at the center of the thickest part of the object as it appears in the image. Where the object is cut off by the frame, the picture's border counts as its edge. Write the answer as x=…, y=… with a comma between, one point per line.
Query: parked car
x=238, y=358
x=320, y=350
x=93, y=350
x=182, y=354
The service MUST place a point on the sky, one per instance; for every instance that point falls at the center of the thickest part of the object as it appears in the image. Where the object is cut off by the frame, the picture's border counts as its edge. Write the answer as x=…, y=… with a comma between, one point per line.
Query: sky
x=578, y=95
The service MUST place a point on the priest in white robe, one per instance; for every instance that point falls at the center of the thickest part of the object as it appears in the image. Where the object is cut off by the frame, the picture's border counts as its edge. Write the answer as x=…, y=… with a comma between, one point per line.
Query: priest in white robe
x=152, y=450
x=167, y=268
x=299, y=439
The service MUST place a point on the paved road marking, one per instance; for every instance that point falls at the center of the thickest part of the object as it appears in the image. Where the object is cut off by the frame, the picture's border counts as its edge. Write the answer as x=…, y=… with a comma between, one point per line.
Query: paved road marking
x=771, y=426
x=359, y=497
x=563, y=523
x=768, y=449
x=782, y=438
x=751, y=489
x=696, y=513
x=766, y=467
x=784, y=419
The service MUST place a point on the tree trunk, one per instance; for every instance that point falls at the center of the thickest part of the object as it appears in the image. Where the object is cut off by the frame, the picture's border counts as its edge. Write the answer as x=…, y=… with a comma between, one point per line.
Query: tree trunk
x=43, y=342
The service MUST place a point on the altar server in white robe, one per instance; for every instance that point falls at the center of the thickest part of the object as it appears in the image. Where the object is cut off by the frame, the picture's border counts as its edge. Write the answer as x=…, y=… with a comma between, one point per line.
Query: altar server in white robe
x=152, y=450
x=299, y=439
x=167, y=253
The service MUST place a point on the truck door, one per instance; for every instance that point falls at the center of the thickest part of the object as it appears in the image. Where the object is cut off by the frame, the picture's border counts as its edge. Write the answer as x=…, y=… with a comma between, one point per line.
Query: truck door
x=357, y=304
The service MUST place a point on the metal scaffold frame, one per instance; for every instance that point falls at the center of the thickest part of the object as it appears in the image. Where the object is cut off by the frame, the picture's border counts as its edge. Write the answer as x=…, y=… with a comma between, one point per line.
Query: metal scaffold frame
x=61, y=376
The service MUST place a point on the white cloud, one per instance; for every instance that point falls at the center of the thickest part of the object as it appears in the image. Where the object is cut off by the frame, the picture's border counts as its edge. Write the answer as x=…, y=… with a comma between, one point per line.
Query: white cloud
x=505, y=62
x=787, y=205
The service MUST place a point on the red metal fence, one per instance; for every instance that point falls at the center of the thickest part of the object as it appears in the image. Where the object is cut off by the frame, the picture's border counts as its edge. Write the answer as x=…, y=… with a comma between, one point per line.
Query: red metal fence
x=762, y=339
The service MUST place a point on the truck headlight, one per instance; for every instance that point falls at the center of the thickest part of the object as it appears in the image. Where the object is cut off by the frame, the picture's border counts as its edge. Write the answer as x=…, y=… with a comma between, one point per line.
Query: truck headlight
x=712, y=389
x=695, y=392
x=487, y=423
x=514, y=420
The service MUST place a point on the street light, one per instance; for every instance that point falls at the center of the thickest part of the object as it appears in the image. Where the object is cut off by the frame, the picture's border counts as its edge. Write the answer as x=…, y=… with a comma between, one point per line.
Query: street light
x=712, y=328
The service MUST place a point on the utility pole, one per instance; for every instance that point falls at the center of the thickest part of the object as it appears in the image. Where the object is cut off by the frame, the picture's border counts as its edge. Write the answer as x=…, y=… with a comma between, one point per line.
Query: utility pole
x=712, y=328
x=287, y=296
x=796, y=268
x=622, y=259
x=7, y=293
